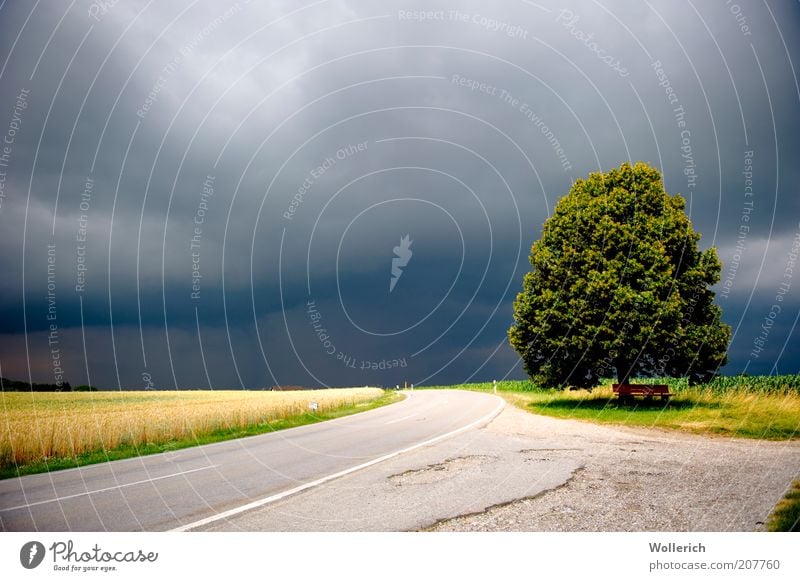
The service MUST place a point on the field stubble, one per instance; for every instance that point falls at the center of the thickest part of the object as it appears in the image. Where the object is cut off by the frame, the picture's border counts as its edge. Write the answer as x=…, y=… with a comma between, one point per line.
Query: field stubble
x=38, y=427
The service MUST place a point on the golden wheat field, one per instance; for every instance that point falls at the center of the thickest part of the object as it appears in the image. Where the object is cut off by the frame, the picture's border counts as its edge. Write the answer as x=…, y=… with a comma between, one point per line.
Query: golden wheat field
x=39, y=426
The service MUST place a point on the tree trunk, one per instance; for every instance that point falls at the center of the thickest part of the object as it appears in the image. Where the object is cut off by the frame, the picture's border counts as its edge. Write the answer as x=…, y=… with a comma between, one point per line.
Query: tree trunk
x=623, y=370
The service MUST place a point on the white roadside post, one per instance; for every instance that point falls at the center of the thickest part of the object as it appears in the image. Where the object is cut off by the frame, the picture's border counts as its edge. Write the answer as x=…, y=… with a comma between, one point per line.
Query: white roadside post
x=495, y=386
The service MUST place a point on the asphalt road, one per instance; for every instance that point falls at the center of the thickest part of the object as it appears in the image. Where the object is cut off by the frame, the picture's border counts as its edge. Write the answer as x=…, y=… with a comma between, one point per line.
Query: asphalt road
x=198, y=487
x=526, y=472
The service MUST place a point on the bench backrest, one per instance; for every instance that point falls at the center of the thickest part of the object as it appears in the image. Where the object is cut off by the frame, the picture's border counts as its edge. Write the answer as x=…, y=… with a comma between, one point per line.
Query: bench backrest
x=626, y=388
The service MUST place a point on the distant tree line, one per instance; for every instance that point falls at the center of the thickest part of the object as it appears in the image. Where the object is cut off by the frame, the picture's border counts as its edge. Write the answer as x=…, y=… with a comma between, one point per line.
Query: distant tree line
x=289, y=388
x=12, y=385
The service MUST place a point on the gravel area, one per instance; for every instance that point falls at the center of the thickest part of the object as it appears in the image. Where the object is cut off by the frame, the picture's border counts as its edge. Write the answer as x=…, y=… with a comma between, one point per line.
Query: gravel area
x=635, y=479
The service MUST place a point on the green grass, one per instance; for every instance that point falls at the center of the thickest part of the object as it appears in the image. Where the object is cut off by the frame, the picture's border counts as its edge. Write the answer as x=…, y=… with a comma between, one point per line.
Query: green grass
x=124, y=451
x=749, y=407
x=786, y=516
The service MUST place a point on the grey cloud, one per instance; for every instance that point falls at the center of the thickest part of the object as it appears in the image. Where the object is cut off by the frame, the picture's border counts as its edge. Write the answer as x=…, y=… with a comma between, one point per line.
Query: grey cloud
x=210, y=89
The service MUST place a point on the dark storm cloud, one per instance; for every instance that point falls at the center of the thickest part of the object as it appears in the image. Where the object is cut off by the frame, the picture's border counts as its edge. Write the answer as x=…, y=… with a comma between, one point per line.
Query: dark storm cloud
x=279, y=151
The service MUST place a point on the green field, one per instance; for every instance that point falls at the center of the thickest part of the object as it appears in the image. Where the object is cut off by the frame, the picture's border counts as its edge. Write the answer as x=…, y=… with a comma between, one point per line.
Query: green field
x=746, y=407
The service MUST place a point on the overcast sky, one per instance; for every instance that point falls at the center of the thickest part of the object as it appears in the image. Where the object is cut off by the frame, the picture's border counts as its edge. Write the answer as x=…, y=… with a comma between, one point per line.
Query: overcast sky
x=211, y=194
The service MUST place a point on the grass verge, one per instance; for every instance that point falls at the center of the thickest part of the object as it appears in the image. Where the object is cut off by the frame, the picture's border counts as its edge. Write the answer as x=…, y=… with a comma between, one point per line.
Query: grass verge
x=123, y=451
x=700, y=410
x=786, y=515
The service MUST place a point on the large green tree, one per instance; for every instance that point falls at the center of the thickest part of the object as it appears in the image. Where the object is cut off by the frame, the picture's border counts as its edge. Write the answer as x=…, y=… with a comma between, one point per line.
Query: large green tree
x=619, y=288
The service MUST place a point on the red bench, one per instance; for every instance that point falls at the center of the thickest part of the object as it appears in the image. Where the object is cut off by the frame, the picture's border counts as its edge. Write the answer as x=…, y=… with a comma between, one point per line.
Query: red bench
x=627, y=391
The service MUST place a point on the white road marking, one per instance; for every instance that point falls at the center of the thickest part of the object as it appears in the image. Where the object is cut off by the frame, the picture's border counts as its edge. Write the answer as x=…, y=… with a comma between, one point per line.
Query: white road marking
x=323, y=480
x=401, y=419
x=88, y=492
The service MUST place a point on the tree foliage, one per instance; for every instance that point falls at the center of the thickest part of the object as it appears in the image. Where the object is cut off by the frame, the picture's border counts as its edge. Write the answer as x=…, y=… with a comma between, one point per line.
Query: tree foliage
x=619, y=288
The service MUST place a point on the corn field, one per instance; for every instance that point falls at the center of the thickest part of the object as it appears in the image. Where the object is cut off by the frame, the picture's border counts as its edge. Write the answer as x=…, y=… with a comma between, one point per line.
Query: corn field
x=755, y=384
x=40, y=426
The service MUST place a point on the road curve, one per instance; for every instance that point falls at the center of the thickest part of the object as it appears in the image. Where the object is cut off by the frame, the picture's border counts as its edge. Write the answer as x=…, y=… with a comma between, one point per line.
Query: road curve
x=182, y=489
